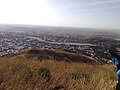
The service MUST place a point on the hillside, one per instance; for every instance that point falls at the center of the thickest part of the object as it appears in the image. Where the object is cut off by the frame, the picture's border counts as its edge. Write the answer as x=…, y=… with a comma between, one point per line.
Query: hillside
x=37, y=69
x=22, y=74
x=55, y=55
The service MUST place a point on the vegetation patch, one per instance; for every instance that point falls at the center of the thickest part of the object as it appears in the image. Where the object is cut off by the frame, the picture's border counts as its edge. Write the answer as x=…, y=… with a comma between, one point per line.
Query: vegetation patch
x=17, y=74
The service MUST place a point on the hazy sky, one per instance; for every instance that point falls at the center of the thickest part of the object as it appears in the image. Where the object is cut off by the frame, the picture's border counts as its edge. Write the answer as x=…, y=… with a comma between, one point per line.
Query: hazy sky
x=74, y=13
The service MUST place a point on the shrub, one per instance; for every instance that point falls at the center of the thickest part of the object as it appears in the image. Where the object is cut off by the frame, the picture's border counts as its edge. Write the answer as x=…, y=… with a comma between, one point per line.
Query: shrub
x=77, y=74
x=44, y=72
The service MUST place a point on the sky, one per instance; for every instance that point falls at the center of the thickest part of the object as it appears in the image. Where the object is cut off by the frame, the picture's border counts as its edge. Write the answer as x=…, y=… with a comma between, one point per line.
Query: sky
x=103, y=14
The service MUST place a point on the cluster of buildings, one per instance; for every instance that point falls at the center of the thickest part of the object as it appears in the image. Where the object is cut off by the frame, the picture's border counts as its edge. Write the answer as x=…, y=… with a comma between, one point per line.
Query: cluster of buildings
x=14, y=42
x=17, y=42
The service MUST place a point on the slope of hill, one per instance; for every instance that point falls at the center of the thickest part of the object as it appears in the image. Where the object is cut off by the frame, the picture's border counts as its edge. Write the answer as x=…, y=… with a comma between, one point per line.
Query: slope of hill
x=55, y=55
x=37, y=69
x=22, y=74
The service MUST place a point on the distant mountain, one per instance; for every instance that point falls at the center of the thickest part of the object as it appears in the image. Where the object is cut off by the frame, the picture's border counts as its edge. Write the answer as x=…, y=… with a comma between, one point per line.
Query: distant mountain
x=56, y=55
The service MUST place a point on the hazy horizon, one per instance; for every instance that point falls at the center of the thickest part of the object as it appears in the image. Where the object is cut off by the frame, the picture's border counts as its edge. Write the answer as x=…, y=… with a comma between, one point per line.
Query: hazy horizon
x=95, y=14
x=7, y=27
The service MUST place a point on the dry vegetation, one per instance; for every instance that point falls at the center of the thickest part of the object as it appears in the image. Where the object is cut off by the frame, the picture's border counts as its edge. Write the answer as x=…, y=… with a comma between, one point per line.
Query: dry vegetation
x=17, y=74
x=56, y=55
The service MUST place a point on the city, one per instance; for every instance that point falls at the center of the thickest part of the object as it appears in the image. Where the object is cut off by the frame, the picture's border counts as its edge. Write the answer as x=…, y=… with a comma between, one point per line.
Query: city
x=92, y=46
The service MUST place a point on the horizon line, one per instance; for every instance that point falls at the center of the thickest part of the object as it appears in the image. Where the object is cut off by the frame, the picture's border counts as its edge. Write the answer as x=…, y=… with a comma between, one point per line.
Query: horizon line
x=106, y=29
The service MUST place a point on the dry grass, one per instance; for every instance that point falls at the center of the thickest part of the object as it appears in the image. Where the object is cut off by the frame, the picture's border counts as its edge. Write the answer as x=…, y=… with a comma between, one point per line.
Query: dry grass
x=49, y=75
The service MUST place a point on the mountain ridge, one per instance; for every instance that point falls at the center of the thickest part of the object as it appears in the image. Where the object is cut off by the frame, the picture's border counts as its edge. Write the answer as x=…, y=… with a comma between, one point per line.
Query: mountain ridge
x=56, y=55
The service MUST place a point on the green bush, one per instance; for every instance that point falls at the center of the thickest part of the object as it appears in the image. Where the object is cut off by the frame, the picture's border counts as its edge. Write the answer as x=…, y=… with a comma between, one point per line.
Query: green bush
x=77, y=74
x=44, y=72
